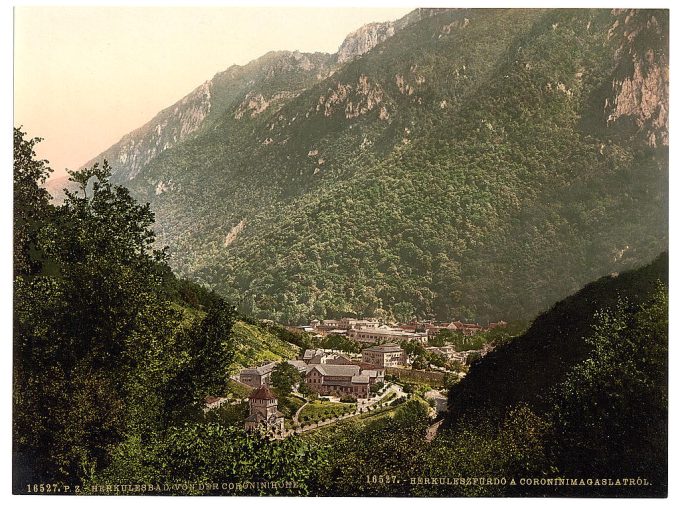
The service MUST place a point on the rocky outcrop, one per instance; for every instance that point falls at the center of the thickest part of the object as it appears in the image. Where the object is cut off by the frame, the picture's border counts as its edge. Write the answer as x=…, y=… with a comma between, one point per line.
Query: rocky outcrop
x=364, y=39
x=255, y=103
x=233, y=233
x=640, y=88
x=368, y=36
x=136, y=149
x=354, y=99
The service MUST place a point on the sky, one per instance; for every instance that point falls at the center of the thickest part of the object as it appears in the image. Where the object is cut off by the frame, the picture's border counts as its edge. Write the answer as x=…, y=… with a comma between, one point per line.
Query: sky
x=85, y=75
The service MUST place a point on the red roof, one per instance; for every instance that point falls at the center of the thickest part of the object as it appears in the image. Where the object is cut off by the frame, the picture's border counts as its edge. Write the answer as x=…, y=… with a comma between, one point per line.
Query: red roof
x=262, y=393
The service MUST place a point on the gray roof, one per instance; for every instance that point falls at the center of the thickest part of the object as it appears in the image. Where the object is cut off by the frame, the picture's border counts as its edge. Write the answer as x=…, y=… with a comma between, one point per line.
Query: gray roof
x=329, y=358
x=255, y=418
x=310, y=353
x=338, y=370
x=259, y=370
x=299, y=364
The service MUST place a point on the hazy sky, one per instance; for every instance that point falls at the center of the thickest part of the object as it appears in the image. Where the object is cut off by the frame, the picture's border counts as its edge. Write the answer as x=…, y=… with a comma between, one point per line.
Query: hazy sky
x=85, y=76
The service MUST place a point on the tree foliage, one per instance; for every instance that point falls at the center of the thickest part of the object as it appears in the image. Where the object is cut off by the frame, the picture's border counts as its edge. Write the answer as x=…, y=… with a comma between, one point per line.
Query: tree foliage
x=101, y=353
x=498, y=174
x=284, y=377
x=612, y=409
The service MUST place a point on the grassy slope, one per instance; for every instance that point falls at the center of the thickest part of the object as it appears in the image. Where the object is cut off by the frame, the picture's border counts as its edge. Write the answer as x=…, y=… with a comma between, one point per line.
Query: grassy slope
x=255, y=346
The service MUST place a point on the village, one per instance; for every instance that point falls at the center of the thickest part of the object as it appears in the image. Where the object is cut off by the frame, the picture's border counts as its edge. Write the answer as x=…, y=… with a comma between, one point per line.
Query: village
x=323, y=386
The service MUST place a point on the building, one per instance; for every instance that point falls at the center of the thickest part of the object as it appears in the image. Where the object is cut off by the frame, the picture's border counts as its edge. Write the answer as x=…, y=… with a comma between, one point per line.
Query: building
x=384, y=355
x=330, y=359
x=264, y=411
x=299, y=364
x=384, y=334
x=344, y=324
x=343, y=380
x=257, y=376
x=375, y=373
x=325, y=356
x=311, y=353
x=348, y=323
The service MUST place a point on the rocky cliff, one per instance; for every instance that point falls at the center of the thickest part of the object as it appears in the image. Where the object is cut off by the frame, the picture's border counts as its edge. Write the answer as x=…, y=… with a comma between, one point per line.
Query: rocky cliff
x=246, y=90
x=364, y=39
x=641, y=85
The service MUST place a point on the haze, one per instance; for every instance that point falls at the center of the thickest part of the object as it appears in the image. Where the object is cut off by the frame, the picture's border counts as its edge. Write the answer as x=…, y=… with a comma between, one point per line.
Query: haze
x=85, y=76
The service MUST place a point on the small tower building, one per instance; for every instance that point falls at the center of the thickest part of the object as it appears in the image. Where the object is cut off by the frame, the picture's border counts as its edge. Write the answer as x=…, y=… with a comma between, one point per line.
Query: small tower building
x=264, y=410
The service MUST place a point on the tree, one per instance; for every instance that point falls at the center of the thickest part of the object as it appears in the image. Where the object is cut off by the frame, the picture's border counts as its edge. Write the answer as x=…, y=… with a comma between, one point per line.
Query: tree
x=284, y=377
x=611, y=411
x=392, y=444
x=413, y=349
x=201, y=453
x=303, y=388
x=436, y=359
x=98, y=345
x=513, y=448
x=31, y=203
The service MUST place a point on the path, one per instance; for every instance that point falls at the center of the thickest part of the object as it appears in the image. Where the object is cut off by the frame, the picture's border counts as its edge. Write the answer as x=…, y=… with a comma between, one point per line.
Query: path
x=362, y=408
x=432, y=430
x=297, y=413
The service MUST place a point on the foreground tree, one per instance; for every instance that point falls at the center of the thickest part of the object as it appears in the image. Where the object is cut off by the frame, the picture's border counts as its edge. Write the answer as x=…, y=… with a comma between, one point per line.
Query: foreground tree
x=31, y=202
x=611, y=412
x=97, y=342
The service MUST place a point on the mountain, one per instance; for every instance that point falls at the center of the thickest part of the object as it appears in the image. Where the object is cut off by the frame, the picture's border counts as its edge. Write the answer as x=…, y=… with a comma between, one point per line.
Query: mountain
x=456, y=163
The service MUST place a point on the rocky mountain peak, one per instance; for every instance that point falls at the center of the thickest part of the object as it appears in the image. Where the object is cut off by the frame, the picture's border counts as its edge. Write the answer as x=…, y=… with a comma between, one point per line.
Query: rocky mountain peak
x=364, y=39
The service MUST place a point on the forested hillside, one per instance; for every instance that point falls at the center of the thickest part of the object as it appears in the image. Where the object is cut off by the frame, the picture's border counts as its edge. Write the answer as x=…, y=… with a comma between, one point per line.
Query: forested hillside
x=113, y=355
x=593, y=370
x=577, y=406
x=470, y=156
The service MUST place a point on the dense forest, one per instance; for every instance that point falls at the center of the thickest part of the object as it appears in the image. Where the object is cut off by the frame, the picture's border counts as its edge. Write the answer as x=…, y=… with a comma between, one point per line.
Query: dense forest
x=114, y=356
x=473, y=155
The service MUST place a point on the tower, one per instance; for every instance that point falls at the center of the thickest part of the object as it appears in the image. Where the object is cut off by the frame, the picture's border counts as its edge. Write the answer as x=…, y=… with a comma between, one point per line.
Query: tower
x=263, y=410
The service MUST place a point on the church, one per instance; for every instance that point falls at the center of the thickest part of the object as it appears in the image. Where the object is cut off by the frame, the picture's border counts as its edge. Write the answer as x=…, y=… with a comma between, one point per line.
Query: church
x=263, y=411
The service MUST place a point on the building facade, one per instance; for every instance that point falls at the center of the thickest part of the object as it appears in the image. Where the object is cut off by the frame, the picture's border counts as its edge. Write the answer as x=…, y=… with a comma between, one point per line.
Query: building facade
x=257, y=376
x=343, y=380
x=384, y=355
x=264, y=412
x=381, y=335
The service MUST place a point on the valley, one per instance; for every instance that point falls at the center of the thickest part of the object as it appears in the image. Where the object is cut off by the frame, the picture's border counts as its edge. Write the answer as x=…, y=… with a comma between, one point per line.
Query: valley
x=431, y=264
